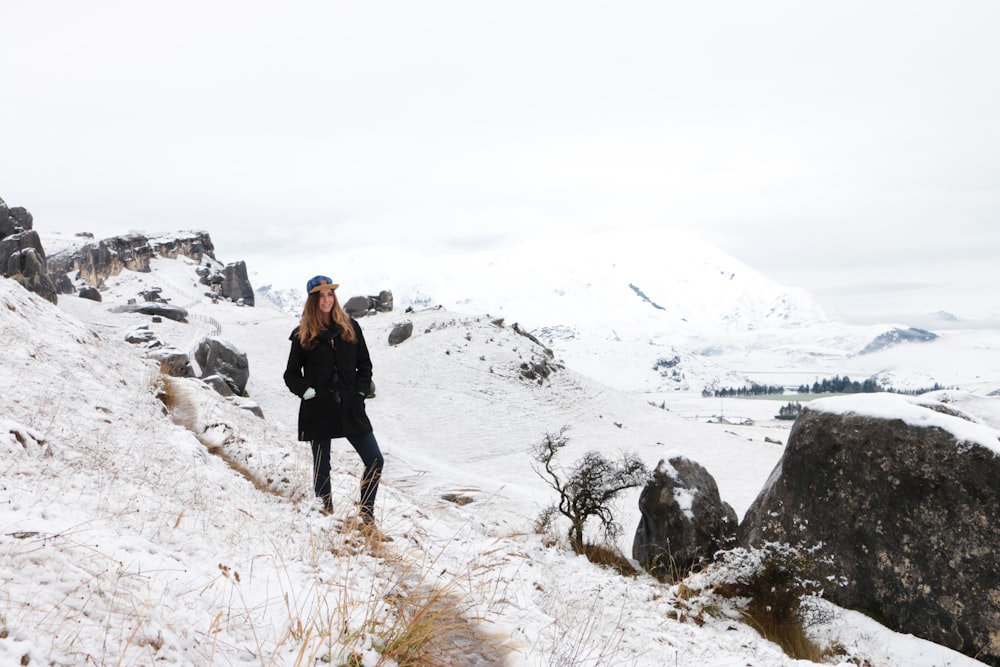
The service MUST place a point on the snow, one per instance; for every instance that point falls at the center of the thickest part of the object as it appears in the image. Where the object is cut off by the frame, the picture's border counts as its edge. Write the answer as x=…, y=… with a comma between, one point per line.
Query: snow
x=134, y=533
x=913, y=411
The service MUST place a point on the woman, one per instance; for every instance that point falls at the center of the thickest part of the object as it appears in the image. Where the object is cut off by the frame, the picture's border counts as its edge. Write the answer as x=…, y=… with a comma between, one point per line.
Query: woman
x=330, y=369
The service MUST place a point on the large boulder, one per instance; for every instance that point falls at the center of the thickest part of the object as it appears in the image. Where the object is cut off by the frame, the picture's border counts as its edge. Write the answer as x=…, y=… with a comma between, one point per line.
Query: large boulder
x=90, y=292
x=400, y=332
x=901, y=496
x=236, y=283
x=358, y=306
x=23, y=259
x=154, y=308
x=684, y=520
x=216, y=356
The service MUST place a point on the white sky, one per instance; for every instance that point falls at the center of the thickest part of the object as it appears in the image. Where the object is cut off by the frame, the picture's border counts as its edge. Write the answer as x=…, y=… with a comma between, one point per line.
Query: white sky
x=850, y=148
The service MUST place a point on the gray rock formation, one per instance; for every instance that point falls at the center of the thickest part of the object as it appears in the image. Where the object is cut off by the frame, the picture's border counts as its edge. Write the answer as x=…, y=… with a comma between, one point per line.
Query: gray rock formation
x=219, y=384
x=384, y=301
x=235, y=284
x=21, y=217
x=154, y=308
x=684, y=521
x=90, y=292
x=400, y=332
x=906, y=514
x=358, y=306
x=216, y=356
x=21, y=254
x=96, y=262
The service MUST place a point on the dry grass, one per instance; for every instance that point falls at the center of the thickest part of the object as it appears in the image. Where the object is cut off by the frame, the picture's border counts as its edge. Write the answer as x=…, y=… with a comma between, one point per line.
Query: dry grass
x=776, y=589
x=609, y=557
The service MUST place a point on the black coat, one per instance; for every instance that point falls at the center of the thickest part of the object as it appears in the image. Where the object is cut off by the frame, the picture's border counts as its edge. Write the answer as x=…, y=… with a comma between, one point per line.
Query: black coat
x=341, y=374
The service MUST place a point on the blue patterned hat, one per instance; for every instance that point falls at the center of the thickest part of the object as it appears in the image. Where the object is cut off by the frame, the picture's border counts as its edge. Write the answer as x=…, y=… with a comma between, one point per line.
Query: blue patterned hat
x=319, y=284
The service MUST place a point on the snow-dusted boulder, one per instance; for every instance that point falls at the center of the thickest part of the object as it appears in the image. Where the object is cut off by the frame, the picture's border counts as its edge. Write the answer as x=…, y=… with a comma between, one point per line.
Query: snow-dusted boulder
x=684, y=521
x=173, y=362
x=90, y=292
x=154, y=308
x=400, y=332
x=903, y=495
x=236, y=283
x=23, y=258
x=216, y=356
x=358, y=306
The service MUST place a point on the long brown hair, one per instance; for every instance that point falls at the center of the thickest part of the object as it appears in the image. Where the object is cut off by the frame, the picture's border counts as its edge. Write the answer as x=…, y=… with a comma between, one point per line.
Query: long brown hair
x=312, y=321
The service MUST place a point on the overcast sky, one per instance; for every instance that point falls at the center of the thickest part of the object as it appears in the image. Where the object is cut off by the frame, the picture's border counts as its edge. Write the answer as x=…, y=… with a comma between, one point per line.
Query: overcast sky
x=849, y=148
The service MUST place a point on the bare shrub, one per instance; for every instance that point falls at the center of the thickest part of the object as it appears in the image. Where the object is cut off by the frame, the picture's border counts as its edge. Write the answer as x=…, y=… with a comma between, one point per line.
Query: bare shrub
x=588, y=489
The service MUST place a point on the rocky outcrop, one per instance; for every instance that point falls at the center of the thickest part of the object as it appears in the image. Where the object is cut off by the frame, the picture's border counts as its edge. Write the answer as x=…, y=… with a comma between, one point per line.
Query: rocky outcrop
x=684, y=521
x=94, y=263
x=896, y=336
x=235, y=284
x=216, y=356
x=360, y=306
x=21, y=254
x=901, y=498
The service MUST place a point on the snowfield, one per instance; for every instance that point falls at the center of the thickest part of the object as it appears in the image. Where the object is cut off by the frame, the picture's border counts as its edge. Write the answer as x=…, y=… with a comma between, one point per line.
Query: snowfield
x=147, y=520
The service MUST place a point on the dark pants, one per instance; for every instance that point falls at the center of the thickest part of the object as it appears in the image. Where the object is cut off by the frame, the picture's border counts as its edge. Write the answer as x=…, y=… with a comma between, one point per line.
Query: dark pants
x=367, y=448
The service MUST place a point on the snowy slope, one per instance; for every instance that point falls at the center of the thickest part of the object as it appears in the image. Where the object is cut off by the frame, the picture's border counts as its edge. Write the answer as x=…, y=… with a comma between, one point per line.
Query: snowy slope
x=133, y=533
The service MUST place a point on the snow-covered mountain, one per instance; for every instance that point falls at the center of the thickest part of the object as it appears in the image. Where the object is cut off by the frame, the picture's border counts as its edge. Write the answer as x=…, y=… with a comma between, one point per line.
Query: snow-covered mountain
x=659, y=313
x=145, y=519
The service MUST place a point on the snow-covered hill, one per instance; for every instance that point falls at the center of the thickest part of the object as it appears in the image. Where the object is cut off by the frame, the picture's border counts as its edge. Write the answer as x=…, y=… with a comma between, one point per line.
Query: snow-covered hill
x=145, y=519
x=658, y=314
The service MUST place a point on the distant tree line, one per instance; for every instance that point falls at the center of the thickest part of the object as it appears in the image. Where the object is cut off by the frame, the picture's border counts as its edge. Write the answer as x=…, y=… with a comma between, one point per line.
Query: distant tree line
x=753, y=390
x=844, y=385
x=841, y=385
x=834, y=385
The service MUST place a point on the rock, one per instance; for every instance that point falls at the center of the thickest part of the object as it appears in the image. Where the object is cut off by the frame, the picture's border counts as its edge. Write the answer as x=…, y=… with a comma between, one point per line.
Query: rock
x=6, y=222
x=219, y=384
x=246, y=404
x=21, y=217
x=23, y=259
x=358, y=306
x=384, y=301
x=236, y=284
x=94, y=263
x=684, y=520
x=361, y=306
x=141, y=336
x=400, y=332
x=175, y=313
x=90, y=292
x=172, y=361
x=216, y=356
x=905, y=514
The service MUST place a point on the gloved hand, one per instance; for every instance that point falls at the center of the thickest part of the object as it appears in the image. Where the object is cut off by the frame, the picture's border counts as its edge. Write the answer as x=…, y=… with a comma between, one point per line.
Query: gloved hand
x=308, y=393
